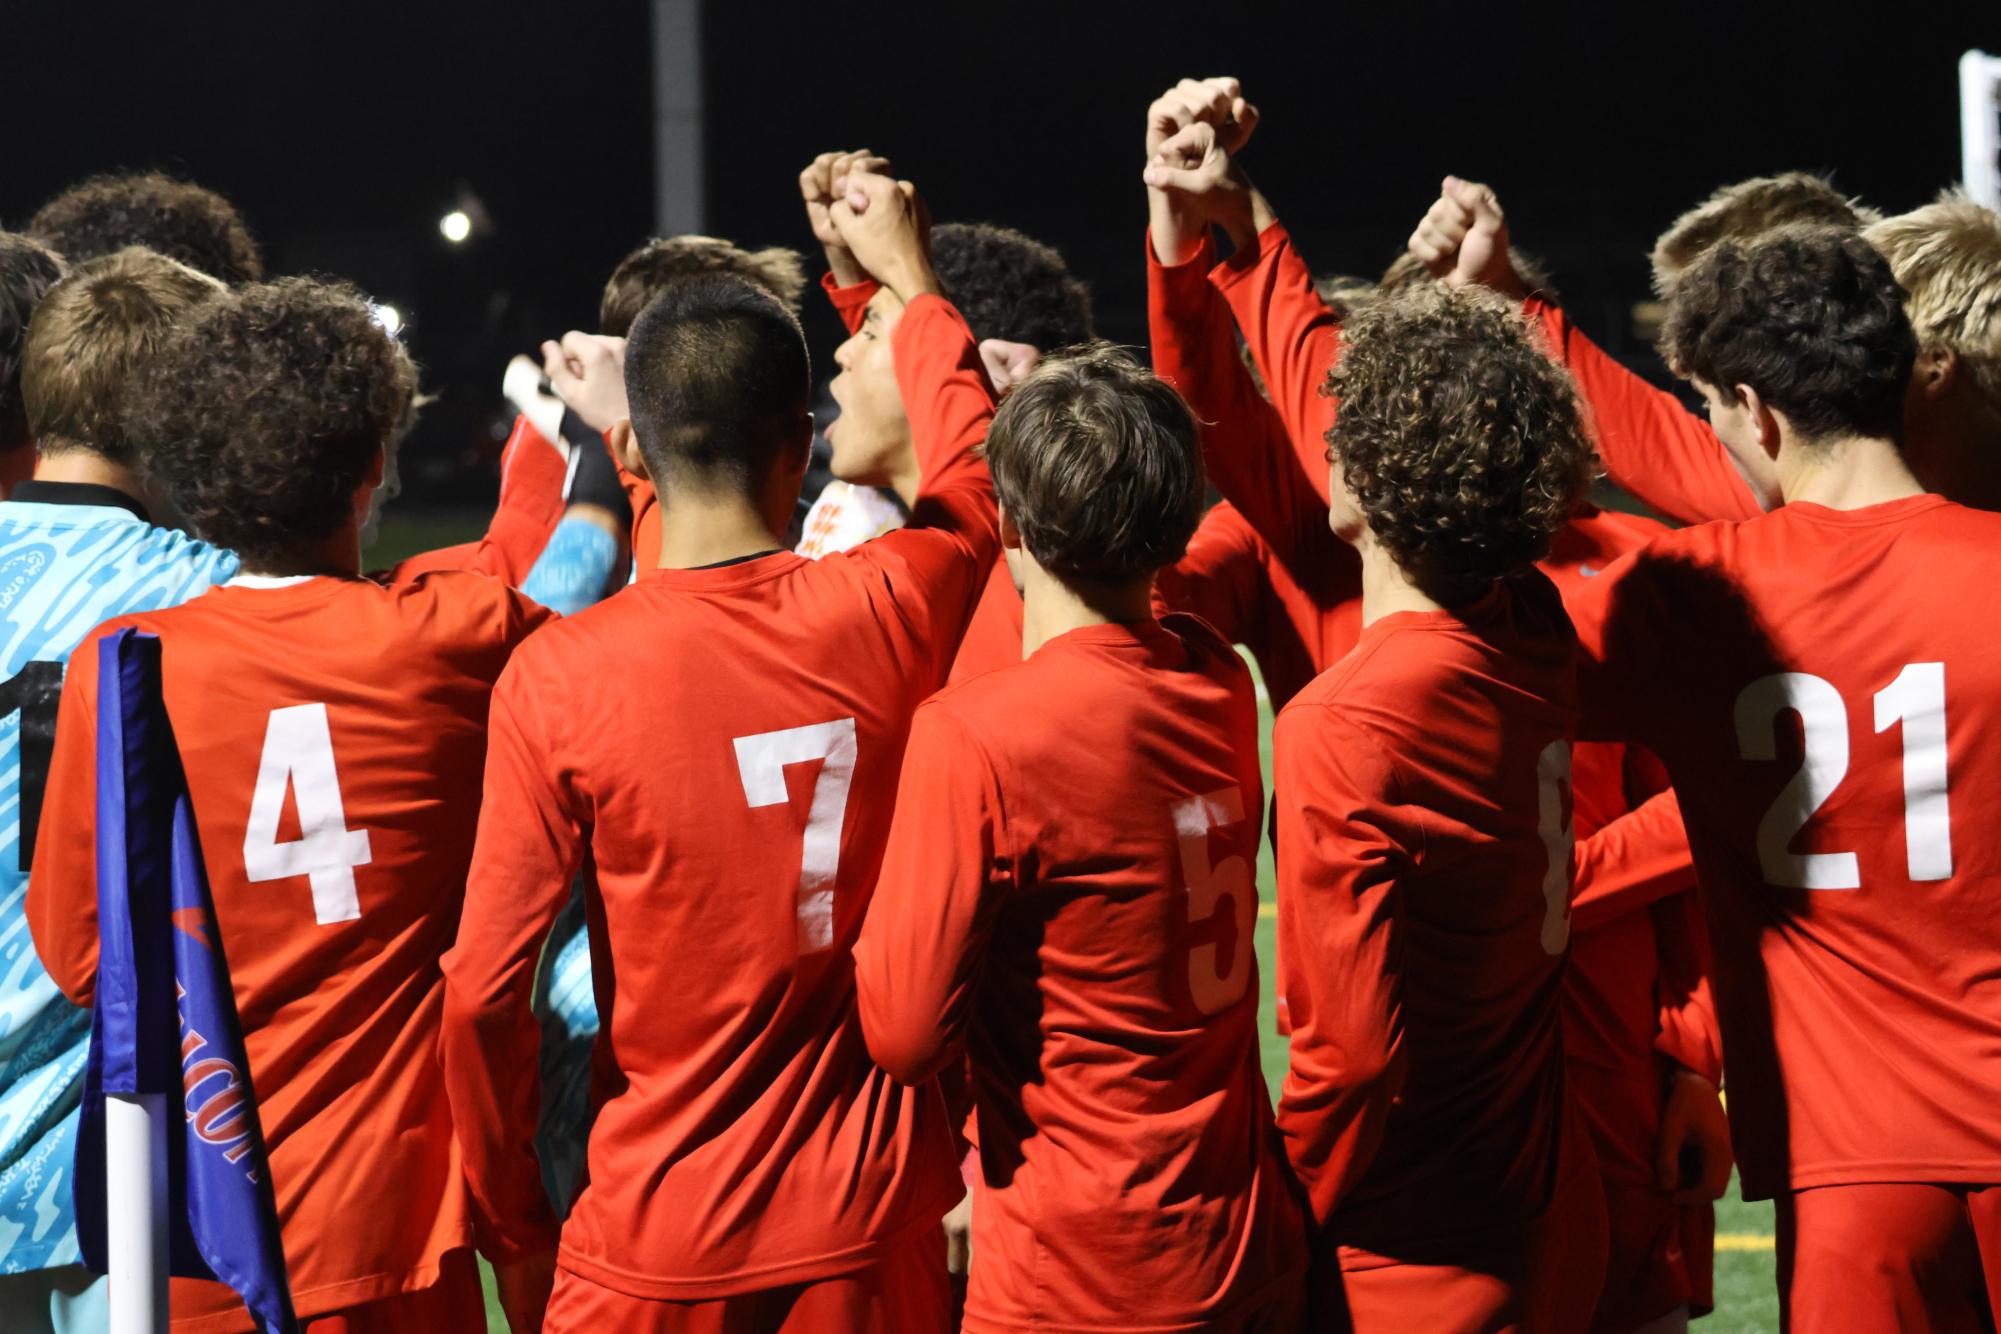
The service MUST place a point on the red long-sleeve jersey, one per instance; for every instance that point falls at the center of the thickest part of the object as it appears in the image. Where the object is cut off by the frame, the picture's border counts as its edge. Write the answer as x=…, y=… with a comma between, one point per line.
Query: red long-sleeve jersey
x=1650, y=443
x=731, y=772
x=1422, y=788
x=1820, y=684
x=532, y=476
x=333, y=733
x=1070, y=886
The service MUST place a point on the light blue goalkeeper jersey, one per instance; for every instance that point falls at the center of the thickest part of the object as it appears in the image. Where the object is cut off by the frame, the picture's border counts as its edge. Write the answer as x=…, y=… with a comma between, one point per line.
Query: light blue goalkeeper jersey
x=71, y=558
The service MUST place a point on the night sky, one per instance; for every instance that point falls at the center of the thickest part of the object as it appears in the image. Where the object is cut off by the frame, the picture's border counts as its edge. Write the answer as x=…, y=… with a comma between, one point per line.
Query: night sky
x=343, y=132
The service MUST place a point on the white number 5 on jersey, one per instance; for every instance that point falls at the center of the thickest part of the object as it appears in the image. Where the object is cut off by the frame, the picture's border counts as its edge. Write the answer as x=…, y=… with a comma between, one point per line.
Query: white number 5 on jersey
x=298, y=754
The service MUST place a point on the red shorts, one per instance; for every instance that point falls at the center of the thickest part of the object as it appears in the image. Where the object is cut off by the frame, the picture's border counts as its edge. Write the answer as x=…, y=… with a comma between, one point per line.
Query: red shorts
x=1661, y=1258
x=1542, y=1277
x=454, y=1302
x=905, y=1293
x=1881, y=1257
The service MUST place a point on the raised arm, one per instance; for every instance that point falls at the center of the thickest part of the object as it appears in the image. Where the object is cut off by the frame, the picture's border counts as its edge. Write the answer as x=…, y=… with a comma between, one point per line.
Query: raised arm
x=1635, y=860
x=922, y=946
x=1649, y=443
x=532, y=473
x=1338, y=920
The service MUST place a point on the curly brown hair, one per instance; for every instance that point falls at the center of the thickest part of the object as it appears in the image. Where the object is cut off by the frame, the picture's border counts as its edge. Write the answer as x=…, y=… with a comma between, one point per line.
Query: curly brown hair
x=1461, y=441
x=663, y=261
x=263, y=415
x=1099, y=464
x=1810, y=317
x=179, y=219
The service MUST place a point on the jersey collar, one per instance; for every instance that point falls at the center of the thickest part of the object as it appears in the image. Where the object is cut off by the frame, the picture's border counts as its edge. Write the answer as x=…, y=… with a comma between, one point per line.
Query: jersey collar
x=78, y=493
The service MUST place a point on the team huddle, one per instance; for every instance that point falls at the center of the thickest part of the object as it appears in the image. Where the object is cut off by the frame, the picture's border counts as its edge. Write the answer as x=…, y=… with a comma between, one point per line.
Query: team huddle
x=726, y=907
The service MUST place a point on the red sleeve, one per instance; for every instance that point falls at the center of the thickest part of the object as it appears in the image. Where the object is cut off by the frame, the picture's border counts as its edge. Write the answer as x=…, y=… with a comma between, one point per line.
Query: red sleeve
x=529, y=844
x=949, y=400
x=918, y=960
x=1689, y=1033
x=1636, y=859
x=1616, y=615
x=1291, y=335
x=1249, y=456
x=62, y=884
x=850, y=302
x=532, y=474
x=1650, y=444
x=1219, y=578
x=1338, y=917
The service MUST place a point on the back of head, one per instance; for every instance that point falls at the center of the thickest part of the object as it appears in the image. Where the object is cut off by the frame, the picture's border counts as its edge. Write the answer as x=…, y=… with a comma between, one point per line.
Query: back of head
x=657, y=265
x=92, y=331
x=1009, y=286
x=1461, y=442
x=718, y=384
x=1099, y=466
x=267, y=409
x=1809, y=317
x=1947, y=258
x=1747, y=210
x=178, y=219
x=28, y=269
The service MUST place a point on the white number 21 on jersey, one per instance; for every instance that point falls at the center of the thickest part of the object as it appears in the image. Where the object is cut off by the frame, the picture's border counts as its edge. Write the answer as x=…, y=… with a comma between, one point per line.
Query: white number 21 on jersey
x=1917, y=700
x=298, y=754
x=761, y=761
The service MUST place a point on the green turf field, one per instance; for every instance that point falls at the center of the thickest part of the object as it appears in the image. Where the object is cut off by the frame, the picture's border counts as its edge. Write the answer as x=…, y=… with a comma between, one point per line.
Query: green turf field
x=1746, y=1302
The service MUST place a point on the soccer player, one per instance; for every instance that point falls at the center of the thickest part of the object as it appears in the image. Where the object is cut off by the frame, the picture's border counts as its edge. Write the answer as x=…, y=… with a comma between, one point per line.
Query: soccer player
x=333, y=731
x=749, y=1167
x=1819, y=682
x=1424, y=844
x=179, y=219
x=28, y=270
x=77, y=548
x=1635, y=990
x=1068, y=890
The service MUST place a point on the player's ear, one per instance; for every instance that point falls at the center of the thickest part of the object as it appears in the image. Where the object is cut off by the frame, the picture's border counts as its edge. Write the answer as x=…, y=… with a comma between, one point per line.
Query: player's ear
x=1010, y=535
x=625, y=448
x=1761, y=417
x=1934, y=370
x=378, y=468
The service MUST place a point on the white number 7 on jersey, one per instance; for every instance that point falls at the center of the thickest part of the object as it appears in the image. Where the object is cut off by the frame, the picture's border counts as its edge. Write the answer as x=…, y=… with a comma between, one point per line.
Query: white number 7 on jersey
x=761, y=761
x=298, y=753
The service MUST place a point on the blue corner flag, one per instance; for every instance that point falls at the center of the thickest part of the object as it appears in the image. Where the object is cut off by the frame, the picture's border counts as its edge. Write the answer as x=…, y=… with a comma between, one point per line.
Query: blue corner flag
x=165, y=1019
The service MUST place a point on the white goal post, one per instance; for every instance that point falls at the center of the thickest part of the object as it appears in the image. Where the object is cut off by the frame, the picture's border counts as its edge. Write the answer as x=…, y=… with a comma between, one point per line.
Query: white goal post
x=1980, y=126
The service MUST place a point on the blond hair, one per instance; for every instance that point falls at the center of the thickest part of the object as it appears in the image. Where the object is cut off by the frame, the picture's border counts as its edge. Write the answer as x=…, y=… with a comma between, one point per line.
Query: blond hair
x=1747, y=210
x=1947, y=257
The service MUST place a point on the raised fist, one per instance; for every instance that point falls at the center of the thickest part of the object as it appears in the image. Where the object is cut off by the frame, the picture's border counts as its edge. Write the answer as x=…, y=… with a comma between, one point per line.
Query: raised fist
x=883, y=224
x=1217, y=102
x=824, y=181
x=1463, y=238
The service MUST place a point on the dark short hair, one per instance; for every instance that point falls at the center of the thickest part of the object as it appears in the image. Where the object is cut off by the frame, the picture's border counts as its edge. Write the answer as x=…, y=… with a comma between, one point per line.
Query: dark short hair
x=1099, y=464
x=716, y=379
x=647, y=272
x=264, y=412
x=1407, y=270
x=28, y=269
x=91, y=332
x=181, y=220
x=1009, y=286
x=1810, y=317
x=1462, y=442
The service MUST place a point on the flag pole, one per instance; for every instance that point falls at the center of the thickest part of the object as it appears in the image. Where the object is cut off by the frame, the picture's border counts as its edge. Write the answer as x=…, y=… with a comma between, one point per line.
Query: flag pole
x=135, y=1161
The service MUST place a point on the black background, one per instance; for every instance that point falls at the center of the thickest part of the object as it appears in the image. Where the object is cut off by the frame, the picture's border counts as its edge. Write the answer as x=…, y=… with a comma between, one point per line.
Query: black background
x=343, y=131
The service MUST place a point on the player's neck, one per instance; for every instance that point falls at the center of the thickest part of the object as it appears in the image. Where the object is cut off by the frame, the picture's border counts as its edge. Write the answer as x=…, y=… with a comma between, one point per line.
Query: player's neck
x=89, y=468
x=1050, y=608
x=1386, y=589
x=1845, y=474
x=338, y=555
x=704, y=530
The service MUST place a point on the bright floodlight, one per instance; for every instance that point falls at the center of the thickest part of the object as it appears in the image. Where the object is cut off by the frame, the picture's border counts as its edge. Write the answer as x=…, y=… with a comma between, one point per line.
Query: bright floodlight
x=455, y=225
x=390, y=318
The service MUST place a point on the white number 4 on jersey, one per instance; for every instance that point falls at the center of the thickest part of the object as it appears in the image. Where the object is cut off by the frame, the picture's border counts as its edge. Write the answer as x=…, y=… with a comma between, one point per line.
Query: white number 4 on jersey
x=298, y=754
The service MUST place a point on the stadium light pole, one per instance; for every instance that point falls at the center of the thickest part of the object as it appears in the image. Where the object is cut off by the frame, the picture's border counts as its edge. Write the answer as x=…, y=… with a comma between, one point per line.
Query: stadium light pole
x=678, y=202
x=1980, y=127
